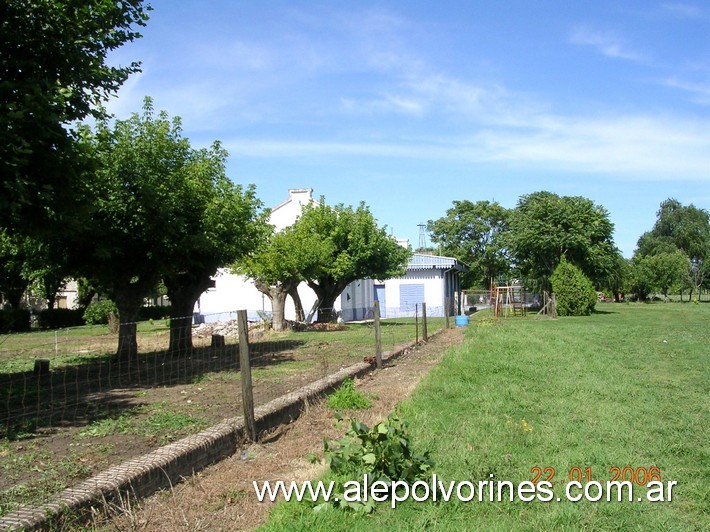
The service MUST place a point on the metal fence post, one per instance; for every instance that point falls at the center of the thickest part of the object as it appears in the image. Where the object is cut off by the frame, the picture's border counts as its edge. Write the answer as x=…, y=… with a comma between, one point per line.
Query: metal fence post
x=245, y=371
x=425, y=337
x=378, y=336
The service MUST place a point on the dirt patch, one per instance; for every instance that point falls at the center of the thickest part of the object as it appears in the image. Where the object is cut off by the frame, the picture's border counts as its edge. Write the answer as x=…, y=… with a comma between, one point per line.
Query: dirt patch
x=66, y=426
x=222, y=497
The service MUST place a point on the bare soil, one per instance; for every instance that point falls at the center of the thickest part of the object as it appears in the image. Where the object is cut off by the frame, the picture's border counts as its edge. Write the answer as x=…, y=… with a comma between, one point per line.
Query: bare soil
x=222, y=496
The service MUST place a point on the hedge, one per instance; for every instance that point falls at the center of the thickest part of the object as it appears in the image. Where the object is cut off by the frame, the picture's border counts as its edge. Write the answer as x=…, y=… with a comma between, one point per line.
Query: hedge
x=16, y=320
x=60, y=318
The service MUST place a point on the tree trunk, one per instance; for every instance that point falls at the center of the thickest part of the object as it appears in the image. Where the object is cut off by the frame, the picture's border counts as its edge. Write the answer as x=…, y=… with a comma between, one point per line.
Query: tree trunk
x=14, y=296
x=300, y=315
x=183, y=292
x=180, y=322
x=278, y=306
x=277, y=295
x=327, y=291
x=128, y=301
x=52, y=285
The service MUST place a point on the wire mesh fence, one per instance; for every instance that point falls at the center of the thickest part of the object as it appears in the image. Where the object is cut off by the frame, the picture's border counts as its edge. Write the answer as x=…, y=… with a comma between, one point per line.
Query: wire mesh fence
x=65, y=395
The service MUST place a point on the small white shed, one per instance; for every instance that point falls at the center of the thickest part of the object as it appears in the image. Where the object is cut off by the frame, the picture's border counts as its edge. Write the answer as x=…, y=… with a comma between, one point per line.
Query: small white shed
x=429, y=279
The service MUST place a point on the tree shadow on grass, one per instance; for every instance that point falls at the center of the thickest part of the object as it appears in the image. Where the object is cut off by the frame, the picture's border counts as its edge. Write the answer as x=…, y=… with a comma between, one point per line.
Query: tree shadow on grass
x=76, y=395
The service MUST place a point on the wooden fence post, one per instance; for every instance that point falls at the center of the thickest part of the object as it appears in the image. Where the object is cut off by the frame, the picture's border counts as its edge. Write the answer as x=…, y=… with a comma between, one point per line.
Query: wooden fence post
x=446, y=311
x=425, y=337
x=416, y=322
x=245, y=371
x=378, y=336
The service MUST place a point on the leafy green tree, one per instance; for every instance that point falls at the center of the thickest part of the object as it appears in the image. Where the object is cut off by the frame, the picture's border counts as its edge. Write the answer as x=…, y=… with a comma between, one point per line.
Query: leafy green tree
x=574, y=293
x=545, y=227
x=13, y=258
x=31, y=266
x=150, y=193
x=641, y=278
x=472, y=232
x=53, y=72
x=663, y=272
x=357, y=249
x=684, y=228
x=283, y=261
x=671, y=272
x=219, y=224
x=617, y=281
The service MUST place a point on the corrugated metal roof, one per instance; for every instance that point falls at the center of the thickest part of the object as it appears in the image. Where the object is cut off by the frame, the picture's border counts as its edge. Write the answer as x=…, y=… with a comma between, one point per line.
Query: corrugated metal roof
x=420, y=261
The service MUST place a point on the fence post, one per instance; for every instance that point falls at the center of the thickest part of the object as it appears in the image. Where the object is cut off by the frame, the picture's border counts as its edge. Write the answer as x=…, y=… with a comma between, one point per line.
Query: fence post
x=446, y=311
x=245, y=371
x=425, y=337
x=378, y=336
x=416, y=322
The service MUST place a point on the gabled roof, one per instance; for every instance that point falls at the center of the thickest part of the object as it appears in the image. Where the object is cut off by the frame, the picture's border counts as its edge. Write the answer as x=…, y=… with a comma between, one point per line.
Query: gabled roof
x=307, y=193
x=421, y=261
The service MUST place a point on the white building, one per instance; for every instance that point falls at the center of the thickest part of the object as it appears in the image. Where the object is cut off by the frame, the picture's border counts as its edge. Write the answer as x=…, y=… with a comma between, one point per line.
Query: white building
x=429, y=278
x=232, y=292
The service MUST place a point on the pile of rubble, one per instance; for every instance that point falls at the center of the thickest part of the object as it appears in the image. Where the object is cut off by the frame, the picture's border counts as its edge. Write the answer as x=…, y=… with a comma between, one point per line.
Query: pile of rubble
x=227, y=329
x=205, y=330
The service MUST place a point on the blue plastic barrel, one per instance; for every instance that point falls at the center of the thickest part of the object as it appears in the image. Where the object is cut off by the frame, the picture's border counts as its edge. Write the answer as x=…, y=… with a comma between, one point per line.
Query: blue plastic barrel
x=461, y=321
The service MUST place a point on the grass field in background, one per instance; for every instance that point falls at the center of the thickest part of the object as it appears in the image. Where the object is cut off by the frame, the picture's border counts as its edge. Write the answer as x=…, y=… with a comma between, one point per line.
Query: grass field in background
x=626, y=387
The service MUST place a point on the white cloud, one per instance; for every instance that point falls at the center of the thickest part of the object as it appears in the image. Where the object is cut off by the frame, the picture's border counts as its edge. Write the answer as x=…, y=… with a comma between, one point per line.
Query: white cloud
x=631, y=147
x=605, y=43
x=700, y=91
x=636, y=147
x=387, y=104
x=682, y=10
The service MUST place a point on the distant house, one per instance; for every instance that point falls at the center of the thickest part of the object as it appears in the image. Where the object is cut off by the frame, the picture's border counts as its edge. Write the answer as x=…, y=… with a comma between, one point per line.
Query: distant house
x=231, y=292
x=68, y=295
x=429, y=279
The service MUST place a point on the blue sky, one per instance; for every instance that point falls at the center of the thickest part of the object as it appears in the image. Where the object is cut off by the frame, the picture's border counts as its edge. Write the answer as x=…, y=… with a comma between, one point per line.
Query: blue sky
x=410, y=105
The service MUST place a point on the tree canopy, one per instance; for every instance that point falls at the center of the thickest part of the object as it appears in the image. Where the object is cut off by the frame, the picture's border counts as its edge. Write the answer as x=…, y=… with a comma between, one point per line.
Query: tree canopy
x=545, y=227
x=678, y=228
x=219, y=224
x=357, y=249
x=282, y=262
x=473, y=233
x=53, y=72
x=162, y=210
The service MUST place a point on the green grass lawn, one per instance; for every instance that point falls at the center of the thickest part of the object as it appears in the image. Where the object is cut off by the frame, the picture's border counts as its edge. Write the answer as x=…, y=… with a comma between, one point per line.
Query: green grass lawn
x=626, y=387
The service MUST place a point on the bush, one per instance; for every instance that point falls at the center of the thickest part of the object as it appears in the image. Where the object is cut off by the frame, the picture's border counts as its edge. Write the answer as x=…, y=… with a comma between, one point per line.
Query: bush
x=98, y=312
x=383, y=452
x=15, y=320
x=574, y=293
x=60, y=318
x=154, y=313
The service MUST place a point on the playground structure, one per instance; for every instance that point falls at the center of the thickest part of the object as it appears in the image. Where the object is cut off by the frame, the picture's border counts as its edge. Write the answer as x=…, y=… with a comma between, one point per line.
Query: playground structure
x=508, y=301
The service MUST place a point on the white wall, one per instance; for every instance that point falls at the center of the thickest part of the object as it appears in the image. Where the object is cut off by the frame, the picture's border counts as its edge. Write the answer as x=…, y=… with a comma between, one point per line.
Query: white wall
x=235, y=292
x=285, y=214
x=433, y=290
x=357, y=300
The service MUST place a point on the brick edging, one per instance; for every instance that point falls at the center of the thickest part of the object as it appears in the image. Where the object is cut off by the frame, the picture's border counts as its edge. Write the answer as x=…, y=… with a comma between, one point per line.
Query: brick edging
x=166, y=466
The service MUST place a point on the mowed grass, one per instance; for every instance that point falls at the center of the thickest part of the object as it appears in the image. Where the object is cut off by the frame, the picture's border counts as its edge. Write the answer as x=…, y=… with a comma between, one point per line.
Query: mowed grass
x=626, y=387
